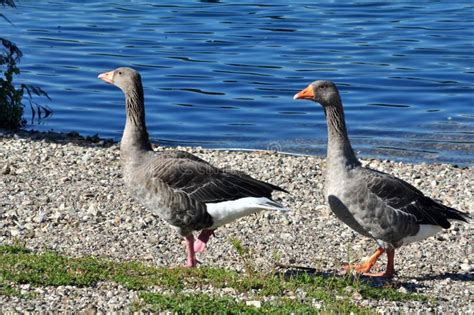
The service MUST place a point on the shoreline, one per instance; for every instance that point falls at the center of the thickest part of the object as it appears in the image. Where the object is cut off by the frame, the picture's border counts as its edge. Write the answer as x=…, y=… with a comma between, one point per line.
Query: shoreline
x=96, y=140
x=64, y=192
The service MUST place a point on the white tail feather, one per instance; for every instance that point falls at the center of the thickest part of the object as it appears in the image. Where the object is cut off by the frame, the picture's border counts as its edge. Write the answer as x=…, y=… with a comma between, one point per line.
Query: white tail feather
x=228, y=211
x=426, y=230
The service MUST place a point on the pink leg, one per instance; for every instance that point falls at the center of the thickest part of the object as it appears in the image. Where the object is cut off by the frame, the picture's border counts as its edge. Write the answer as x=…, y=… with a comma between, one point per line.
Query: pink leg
x=202, y=239
x=192, y=262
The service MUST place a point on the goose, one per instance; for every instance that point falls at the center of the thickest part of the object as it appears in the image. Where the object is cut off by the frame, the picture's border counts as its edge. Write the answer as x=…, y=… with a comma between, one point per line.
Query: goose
x=374, y=204
x=185, y=191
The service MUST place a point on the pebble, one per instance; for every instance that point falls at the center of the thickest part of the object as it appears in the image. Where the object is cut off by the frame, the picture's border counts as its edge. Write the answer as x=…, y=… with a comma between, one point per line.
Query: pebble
x=74, y=202
x=466, y=267
x=402, y=290
x=256, y=304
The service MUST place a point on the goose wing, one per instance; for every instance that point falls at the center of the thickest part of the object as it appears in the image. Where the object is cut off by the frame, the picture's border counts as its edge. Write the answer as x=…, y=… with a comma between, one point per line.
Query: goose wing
x=206, y=183
x=403, y=197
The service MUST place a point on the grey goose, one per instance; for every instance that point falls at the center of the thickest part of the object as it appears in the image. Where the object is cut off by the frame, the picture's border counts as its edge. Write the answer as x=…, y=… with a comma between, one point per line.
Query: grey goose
x=372, y=203
x=187, y=192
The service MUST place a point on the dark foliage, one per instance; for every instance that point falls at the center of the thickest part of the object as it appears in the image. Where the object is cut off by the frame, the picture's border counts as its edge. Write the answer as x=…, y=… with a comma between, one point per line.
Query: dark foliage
x=10, y=3
x=11, y=106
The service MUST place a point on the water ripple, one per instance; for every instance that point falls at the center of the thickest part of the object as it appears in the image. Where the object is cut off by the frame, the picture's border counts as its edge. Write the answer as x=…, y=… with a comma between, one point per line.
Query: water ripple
x=222, y=74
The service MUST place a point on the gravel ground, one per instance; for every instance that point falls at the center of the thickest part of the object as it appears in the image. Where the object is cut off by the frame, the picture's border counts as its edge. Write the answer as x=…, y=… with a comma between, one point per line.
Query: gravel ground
x=65, y=193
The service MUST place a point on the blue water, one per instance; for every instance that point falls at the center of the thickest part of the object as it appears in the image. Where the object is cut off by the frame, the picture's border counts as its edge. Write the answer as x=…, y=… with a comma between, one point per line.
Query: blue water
x=222, y=74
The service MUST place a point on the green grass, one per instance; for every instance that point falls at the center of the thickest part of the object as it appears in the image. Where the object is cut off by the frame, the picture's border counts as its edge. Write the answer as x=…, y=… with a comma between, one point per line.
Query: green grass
x=204, y=304
x=8, y=290
x=19, y=266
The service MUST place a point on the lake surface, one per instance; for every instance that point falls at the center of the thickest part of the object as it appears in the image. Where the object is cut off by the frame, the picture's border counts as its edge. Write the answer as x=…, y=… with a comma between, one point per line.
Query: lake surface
x=221, y=74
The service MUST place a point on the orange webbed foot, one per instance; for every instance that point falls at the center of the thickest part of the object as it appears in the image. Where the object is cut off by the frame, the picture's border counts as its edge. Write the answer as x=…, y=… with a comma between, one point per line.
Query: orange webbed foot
x=384, y=274
x=361, y=268
x=368, y=264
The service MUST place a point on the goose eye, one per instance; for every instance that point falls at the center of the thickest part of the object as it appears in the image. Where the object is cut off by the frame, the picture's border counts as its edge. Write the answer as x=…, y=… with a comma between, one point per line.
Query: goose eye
x=120, y=72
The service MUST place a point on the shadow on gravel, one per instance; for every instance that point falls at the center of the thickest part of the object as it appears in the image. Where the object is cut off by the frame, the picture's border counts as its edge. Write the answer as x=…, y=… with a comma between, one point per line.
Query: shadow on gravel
x=407, y=284
x=464, y=277
x=296, y=271
x=413, y=284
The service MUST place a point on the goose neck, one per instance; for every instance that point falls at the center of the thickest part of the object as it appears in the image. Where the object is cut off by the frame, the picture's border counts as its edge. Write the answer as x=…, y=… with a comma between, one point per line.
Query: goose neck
x=135, y=136
x=340, y=151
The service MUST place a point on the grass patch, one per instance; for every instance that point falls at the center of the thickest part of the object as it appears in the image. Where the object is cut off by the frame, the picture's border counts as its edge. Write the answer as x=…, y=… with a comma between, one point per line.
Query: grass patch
x=203, y=304
x=296, y=292
x=51, y=269
x=8, y=290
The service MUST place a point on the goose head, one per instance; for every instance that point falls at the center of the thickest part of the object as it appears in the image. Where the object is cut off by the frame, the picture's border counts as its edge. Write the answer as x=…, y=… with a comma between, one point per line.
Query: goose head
x=322, y=91
x=124, y=78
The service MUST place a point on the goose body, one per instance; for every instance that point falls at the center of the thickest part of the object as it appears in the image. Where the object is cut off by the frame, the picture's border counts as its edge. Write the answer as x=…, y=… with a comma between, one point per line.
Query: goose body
x=373, y=203
x=187, y=192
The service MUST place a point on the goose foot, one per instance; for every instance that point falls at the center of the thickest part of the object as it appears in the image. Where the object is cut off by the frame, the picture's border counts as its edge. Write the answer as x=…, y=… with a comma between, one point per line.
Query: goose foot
x=361, y=268
x=203, y=238
x=191, y=260
x=365, y=267
x=368, y=264
x=192, y=264
x=384, y=274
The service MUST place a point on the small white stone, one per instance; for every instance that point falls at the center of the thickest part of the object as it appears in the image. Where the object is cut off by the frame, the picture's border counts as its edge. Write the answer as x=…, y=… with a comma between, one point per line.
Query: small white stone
x=357, y=296
x=256, y=304
x=402, y=290
x=93, y=210
x=29, y=226
x=286, y=236
x=56, y=216
x=466, y=267
x=317, y=305
x=14, y=232
x=25, y=286
x=229, y=291
x=40, y=218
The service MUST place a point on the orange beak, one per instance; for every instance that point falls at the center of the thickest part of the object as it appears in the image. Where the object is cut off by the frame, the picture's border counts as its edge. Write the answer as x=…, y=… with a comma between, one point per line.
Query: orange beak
x=107, y=77
x=306, y=94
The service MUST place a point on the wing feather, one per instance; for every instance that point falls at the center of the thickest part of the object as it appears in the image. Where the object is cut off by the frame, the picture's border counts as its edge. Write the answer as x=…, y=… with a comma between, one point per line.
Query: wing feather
x=402, y=196
x=206, y=183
